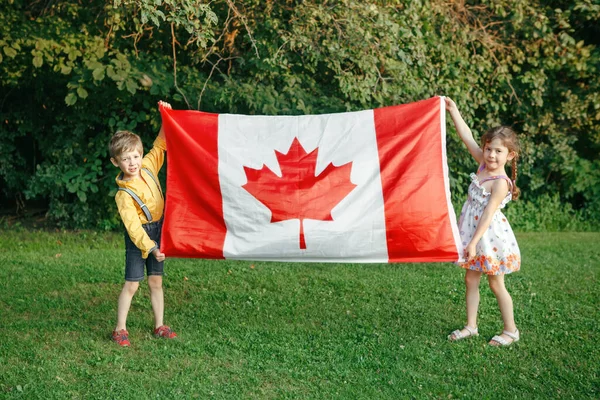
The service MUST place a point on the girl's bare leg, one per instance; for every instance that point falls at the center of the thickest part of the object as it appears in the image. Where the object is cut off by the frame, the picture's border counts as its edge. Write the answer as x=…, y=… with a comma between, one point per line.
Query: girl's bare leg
x=472, y=279
x=505, y=303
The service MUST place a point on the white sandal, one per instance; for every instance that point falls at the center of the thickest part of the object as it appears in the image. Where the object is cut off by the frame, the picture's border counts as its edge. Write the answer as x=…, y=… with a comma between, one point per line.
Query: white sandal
x=515, y=336
x=459, y=336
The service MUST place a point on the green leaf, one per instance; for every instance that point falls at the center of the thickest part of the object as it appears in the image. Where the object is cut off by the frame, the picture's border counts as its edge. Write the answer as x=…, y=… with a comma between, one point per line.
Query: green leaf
x=71, y=99
x=38, y=61
x=10, y=52
x=72, y=187
x=110, y=72
x=99, y=73
x=73, y=54
x=81, y=92
x=132, y=86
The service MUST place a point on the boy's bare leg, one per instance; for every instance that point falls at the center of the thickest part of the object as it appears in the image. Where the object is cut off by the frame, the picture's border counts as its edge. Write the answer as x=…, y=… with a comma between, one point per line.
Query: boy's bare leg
x=157, y=299
x=125, y=297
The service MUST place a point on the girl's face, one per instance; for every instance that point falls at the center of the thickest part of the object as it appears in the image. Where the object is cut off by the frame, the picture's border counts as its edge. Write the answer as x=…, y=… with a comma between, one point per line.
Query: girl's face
x=496, y=154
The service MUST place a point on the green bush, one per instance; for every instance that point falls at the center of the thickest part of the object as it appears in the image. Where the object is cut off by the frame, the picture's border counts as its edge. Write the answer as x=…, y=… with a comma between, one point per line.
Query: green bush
x=548, y=213
x=71, y=74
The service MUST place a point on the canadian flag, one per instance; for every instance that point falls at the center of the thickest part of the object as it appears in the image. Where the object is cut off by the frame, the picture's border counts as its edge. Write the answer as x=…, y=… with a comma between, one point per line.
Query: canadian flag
x=366, y=186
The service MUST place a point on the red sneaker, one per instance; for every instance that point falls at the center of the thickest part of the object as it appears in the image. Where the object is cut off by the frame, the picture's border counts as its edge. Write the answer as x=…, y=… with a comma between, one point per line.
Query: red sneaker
x=121, y=337
x=164, y=332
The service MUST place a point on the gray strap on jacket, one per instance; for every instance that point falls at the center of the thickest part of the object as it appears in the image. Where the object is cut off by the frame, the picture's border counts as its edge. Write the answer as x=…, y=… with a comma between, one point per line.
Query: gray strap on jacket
x=140, y=202
x=155, y=181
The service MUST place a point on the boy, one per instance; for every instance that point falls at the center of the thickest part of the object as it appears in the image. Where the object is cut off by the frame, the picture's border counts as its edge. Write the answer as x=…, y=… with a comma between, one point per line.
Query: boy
x=140, y=202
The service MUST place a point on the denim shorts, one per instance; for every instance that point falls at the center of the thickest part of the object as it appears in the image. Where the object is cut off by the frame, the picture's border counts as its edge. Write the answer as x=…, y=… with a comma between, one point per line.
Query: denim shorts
x=134, y=263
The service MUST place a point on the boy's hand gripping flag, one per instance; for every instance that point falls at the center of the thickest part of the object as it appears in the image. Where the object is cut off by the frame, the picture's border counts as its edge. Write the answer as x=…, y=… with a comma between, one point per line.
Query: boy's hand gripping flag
x=367, y=186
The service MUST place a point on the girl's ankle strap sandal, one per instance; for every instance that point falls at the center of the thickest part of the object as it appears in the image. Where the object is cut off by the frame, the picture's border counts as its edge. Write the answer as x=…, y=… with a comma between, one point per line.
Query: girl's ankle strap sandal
x=458, y=335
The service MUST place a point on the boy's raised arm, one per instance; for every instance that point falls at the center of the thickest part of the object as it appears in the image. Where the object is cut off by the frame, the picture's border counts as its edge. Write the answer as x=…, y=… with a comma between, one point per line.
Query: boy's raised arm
x=161, y=132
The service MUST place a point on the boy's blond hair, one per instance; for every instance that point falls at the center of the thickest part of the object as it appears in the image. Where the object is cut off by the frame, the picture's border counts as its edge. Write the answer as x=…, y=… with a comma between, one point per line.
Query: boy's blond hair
x=123, y=141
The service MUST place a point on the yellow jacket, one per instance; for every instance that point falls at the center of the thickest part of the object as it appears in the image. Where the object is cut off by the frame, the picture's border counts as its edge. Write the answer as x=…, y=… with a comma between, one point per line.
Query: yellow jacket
x=146, y=189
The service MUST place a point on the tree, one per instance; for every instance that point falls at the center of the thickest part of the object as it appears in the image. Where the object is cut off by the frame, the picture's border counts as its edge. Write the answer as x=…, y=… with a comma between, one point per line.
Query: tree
x=72, y=74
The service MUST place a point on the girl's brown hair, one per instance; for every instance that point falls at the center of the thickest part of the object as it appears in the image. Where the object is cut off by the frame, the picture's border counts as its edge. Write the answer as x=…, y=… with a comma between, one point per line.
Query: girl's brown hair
x=511, y=141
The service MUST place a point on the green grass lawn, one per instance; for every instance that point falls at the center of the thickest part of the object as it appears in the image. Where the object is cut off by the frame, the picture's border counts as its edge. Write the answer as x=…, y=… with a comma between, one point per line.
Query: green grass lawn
x=278, y=331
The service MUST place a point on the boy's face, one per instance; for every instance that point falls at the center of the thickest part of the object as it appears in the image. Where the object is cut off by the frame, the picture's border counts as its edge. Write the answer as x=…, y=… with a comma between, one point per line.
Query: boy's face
x=130, y=162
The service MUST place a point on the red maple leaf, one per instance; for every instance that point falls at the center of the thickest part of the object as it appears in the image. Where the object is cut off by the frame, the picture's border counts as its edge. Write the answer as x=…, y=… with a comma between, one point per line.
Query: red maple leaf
x=299, y=193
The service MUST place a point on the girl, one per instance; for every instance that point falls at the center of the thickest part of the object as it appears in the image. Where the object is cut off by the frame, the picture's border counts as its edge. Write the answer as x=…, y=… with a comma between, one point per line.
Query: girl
x=491, y=247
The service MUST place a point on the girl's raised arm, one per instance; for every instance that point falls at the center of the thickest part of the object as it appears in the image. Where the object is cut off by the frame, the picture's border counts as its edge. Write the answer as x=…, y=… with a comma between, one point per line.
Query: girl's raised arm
x=464, y=131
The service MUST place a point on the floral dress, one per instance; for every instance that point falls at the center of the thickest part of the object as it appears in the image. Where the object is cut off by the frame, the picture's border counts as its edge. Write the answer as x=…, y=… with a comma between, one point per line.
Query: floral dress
x=497, y=252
